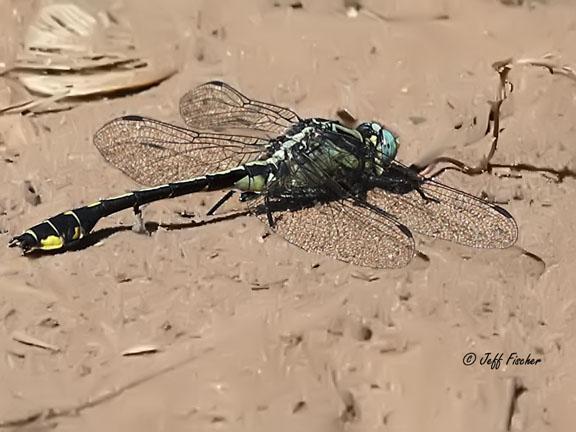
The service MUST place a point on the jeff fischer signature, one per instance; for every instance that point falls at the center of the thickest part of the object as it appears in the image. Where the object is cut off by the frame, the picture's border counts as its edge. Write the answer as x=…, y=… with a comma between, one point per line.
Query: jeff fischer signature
x=495, y=360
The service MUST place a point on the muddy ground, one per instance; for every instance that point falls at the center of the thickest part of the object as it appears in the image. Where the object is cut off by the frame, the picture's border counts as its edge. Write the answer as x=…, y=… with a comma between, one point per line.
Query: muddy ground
x=253, y=334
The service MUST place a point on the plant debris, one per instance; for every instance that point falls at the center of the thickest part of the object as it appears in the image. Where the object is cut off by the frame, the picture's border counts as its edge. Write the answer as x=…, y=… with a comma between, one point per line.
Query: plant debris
x=69, y=52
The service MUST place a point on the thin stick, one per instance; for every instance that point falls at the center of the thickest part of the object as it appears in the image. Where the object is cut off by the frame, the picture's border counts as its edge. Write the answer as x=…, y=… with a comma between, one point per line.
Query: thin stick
x=505, y=88
x=503, y=69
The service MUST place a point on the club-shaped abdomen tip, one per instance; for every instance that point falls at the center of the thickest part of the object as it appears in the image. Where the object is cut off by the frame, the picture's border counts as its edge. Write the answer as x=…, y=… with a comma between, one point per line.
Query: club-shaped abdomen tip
x=26, y=242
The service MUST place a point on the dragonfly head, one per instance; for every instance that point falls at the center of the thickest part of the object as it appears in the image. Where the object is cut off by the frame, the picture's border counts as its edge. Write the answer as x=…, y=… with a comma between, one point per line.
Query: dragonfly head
x=384, y=141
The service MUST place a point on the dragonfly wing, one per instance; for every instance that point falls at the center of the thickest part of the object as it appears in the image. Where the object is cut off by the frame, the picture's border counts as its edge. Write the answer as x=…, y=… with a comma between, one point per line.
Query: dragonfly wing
x=440, y=211
x=152, y=152
x=340, y=229
x=217, y=106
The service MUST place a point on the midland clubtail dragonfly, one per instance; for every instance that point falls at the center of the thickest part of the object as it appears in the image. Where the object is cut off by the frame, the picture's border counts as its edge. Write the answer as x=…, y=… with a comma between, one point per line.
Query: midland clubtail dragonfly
x=324, y=187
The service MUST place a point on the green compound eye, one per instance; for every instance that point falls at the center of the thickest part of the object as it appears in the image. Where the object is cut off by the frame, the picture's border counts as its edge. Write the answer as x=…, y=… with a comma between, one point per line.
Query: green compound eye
x=383, y=140
x=388, y=144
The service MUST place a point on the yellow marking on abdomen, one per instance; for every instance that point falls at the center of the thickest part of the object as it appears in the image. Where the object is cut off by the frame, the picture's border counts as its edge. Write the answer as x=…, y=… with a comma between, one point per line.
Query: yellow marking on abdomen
x=51, y=242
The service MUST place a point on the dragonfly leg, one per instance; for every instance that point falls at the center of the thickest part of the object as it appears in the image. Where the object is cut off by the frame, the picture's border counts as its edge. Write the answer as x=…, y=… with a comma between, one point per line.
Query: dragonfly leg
x=425, y=197
x=414, y=184
x=139, y=225
x=402, y=186
x=220, y=202
x=268, y=211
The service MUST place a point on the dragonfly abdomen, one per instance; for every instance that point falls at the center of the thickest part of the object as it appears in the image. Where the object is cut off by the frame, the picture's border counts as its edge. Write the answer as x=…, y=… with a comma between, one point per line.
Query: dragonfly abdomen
x=72, y=225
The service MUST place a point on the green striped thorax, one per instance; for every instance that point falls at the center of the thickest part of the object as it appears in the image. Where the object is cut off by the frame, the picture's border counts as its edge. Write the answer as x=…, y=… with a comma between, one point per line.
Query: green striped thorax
x=385, y=142
x=328, y=146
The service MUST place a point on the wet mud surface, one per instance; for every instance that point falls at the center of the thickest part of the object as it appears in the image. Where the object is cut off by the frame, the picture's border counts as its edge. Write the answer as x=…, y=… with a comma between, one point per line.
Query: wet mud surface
x=219, y=326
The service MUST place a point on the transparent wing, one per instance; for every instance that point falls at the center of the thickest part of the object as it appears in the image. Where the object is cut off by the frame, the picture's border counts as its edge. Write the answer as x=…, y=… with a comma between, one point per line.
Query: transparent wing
x=342, y=230
x=436, y=210
x=153, y=152
x=217, y=106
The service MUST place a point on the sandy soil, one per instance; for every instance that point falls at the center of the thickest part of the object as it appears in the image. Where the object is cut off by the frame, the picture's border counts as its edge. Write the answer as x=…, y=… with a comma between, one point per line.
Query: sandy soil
x=255, y=334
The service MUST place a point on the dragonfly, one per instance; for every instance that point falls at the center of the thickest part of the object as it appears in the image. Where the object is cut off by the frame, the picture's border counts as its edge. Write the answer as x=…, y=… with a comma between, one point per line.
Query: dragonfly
x=327, y=188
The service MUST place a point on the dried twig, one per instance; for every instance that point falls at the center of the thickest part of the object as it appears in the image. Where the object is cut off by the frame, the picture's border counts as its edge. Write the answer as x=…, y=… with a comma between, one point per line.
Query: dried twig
x=26, y=339
x=548, y=61
x=503, y=68
x=505, y=87
x=37, y=105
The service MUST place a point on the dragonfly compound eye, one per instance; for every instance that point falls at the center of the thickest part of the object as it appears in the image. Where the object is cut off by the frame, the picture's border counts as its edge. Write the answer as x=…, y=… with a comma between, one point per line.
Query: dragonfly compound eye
x=388, y=144
x=382, y=139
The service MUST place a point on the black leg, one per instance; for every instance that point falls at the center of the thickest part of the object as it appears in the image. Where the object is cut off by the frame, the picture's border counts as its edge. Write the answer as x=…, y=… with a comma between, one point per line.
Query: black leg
x=424, y=196
x=220, y=202
x=402, y=186
x=268, y=212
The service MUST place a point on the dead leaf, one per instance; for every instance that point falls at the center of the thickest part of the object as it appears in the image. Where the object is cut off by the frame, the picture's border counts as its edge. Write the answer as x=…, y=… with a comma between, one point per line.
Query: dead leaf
x=74, y=52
